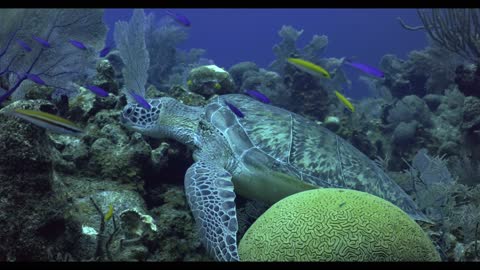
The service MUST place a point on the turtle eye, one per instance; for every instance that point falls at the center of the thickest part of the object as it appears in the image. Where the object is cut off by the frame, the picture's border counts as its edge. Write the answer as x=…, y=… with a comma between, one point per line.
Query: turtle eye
x=129, y=111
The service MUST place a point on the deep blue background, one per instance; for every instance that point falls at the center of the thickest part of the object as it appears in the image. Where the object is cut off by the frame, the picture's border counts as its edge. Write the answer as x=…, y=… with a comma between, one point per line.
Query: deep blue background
x=235, y=35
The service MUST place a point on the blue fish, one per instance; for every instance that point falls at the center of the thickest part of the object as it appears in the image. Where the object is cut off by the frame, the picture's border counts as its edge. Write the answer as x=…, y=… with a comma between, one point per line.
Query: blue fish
x=42, y=41
x=105, y=51
x=234, y=109
x=78, y=44
x=97, y=90
x=34, y=78
x=24, y=45
x=140, y=100
x=179, y=18
x=257, y=95
x=365, y=68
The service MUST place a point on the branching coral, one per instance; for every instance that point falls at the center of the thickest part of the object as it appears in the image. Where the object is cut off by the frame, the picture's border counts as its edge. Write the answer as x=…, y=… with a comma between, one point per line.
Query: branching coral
x=457, y=30
x=287, y=48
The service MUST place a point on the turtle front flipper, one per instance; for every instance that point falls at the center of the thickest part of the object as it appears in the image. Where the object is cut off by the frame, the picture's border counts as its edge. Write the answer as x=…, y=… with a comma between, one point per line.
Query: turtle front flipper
x=211, y=198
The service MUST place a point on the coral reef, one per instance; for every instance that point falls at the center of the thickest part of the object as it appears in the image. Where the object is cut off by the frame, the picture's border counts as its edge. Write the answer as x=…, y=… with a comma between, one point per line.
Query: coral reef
x=456, y=30
x=307, y=95
x=335, y=225
x=428, y=71
x=168, y=64
x=453, y=206
x=105, y=77
x=287, y=48
x=471, y=114
x=32, y=213
x=404, y=133
x=408, y=109
x=177, y=239
x=248, y=76
x=56, y=66
x=422, y=127
x=238, y=71
x=467, y=77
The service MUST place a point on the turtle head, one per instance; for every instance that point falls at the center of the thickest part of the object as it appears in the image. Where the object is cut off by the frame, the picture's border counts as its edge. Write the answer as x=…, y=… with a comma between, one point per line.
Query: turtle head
x=167, y=118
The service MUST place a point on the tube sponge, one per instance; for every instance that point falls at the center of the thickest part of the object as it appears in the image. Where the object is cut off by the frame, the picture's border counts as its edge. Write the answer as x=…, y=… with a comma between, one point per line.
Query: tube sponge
x=335, y=225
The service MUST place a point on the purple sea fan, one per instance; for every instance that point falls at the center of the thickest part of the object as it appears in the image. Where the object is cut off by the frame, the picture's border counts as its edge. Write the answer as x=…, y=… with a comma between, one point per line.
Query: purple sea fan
x=51, y=62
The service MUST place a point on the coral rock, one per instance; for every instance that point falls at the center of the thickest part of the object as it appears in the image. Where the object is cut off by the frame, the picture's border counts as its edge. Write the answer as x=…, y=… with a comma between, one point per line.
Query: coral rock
x=471, y=113
x=210, y=80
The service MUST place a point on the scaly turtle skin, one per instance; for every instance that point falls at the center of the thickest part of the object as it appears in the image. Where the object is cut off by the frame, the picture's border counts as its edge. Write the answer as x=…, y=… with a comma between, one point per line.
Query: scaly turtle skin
x=267, y=155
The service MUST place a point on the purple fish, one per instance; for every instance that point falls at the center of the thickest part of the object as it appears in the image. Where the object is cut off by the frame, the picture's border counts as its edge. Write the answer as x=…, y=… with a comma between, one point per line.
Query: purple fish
x=24, y=45
x=105, y=51
x=365, y=68
x=42, y=41
x=179, y=18
x=78, y=44
x=34, y=78
x=140, y=100
x=257, y=95
x=97, y=90
x=235, y=110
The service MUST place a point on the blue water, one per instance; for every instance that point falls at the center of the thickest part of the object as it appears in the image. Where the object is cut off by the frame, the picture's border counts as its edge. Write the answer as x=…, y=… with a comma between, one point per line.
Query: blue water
x=234, y=35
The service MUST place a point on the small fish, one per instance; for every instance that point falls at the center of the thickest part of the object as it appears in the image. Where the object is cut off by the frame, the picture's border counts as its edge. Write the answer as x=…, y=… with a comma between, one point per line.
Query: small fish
x=109, y=214
x=235, y=110
x=42, y=41
x=140, y=100
x=345, y=101
x=105, y=51
x=34, y=78
x=257, y=95
x=309, y=67
x=365, y=68
x=179, y=18
x=97, y=90
x=77, y=44
x=24, y=45
x=48, y=121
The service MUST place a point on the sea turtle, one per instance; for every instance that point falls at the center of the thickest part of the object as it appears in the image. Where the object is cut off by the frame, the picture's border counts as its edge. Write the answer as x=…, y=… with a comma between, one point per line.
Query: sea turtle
x=266, y=155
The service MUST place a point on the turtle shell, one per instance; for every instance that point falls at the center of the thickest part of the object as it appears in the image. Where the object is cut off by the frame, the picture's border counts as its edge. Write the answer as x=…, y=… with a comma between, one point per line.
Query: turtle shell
x=289, y=143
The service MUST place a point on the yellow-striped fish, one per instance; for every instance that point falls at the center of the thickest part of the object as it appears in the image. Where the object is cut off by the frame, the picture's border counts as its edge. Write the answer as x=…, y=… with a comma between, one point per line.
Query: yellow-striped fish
x=109, y=214
x=345, y=101
x=309, y=67
x=46, y=120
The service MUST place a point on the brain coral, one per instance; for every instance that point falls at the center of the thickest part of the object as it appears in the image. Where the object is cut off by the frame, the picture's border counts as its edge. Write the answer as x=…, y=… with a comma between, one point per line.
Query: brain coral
x=335, y=225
